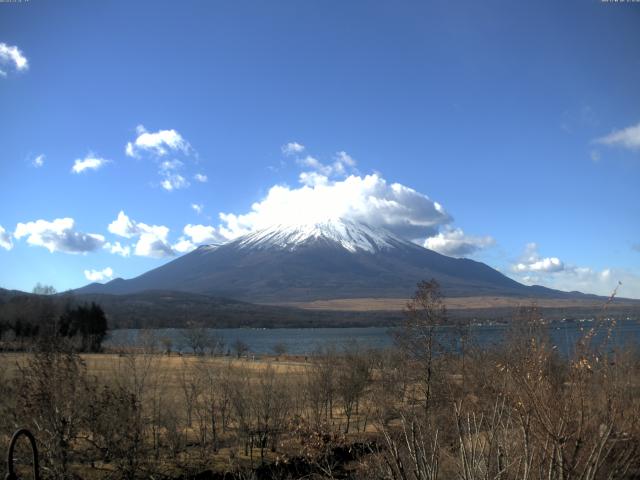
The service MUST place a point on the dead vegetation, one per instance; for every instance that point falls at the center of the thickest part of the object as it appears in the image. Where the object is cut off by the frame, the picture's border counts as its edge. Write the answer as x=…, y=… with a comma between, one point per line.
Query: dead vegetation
x=434, y=407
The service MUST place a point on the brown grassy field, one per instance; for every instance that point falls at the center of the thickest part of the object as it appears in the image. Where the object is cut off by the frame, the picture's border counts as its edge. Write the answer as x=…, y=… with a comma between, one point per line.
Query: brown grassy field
x=168, y=369
x=459, y=303
x=166, y=382
x=512, y=411
x=101, y=364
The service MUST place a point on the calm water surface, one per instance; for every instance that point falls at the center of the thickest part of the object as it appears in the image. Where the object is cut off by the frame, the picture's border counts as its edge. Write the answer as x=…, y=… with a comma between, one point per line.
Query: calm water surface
x=302, y=341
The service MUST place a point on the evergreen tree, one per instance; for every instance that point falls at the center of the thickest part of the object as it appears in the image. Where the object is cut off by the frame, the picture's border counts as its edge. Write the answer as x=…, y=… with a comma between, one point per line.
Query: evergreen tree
x=87, y=322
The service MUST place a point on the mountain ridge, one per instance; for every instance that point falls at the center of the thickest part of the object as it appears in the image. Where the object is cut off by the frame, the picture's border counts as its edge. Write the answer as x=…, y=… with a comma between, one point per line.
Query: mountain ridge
x=321, y=260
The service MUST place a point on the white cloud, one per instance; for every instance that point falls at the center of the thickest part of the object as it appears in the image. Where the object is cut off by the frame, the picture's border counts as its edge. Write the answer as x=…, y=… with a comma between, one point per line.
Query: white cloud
x=158, y=143
x=315, y=165
x=588, y=280
x=38, y=161
x=90, y=162
x=345, y=159
x=292, y=148
x=153, y=242
x=170, y=165
x=203, y=234
x=99, y=275
x=532, y=269
x=369, y=199
x=58, y=236
x=123, y=226
x=198, y=235
x=200, y=177
x=11, y=55
x=342, y=165
x=184, y=246
x=5, y=239
x=174, y=181
x=197, y=207
x=313, y=179
x=532, y=262
x=551, y=264
x=627, y=138
x=455, y=243
x=118, y=249
x=152, y=239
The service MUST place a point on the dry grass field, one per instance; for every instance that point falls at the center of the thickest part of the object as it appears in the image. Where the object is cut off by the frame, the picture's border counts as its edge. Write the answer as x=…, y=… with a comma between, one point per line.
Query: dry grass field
x=101, y=364
x=513, y=411
x=455, y=303
x=182, y=399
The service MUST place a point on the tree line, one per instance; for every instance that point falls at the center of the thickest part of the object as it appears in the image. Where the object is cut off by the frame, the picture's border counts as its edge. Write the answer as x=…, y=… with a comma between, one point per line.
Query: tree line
x=26, y=320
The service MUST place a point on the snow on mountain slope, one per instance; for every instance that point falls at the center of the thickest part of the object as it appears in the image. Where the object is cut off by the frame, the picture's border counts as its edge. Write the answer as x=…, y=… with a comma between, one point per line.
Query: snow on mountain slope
x=353, y=236
x=319, y=260
x=209, y=248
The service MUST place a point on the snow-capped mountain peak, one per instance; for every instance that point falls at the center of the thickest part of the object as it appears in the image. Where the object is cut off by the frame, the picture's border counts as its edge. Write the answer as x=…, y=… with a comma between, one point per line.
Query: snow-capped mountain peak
x=351, y=235
x=316, y=260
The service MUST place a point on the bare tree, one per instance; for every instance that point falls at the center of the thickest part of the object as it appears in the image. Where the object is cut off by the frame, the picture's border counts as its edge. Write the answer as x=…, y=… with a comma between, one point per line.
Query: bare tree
x=116, y=429
x=132, y=372
x=240, y=347
x=270, y=407
x=40, y=289
x=167, y=345
x=201, y=340
x=320, y=385
x=51, y=398
x=213, y=403
x=190, y=386
x=417, y=338
x=279, y=349
x=353, y=376
x=240, y=400
x=158, y=404
x=196, y=339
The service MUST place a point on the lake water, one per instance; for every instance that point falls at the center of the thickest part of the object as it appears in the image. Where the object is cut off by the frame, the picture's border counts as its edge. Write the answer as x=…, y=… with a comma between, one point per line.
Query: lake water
x=302, y=341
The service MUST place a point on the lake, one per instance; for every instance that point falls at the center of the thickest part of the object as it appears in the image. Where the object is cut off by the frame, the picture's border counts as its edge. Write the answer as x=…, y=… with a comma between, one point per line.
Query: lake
x=303, y=341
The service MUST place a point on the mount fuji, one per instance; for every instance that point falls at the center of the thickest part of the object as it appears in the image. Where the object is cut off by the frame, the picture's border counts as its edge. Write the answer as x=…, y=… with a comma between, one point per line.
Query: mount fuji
x=332, y=259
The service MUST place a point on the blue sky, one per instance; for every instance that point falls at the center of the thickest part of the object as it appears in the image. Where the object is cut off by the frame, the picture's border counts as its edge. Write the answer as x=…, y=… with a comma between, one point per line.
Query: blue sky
x=504, y=131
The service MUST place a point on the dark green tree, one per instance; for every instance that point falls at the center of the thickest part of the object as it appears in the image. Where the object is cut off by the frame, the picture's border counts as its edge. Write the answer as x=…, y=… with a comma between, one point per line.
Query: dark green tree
x=86, y=322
